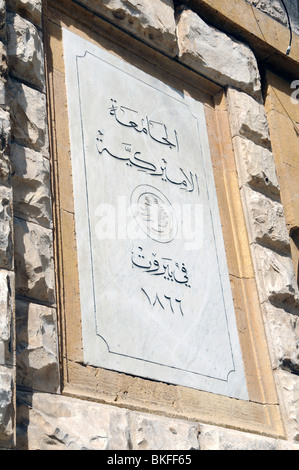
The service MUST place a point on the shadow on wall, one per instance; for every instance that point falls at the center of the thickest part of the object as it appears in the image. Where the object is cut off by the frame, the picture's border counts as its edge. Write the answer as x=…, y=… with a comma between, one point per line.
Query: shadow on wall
x=295, y=237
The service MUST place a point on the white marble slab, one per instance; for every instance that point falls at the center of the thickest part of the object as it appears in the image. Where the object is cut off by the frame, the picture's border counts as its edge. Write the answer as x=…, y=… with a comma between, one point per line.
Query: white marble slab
x=155, y=293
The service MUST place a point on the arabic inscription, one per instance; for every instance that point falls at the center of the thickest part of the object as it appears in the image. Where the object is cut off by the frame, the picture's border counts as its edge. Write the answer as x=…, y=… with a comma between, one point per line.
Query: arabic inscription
x=156, y=302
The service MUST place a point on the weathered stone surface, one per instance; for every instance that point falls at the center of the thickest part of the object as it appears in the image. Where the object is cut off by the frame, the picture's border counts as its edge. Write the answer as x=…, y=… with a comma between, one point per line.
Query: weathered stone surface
x=4, y=139
x=283, y=338
x=31, y=185
x=215, y=55
x=151, y=432
x=25, y=51
x=215, y=438
x=152, y=22
x=3, y=73
x=37, y=347
x=6, y=317
x=289, y=390
x=29, y=9
x=276, y=278
x=58, y=422
x=6, y=249
x=266, y=221
x=34, y=261
x=247, y=117
x=28, y=116
x=6, y=404
x=2, y=19
x=256, y=167
x=62, y=423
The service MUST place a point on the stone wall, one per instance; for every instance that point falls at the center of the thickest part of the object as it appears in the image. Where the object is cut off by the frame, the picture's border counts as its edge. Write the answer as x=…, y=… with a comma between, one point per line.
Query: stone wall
x=38, y=416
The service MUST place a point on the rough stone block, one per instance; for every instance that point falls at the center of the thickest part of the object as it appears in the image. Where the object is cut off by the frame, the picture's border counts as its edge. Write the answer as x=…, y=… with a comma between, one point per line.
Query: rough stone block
x=216, y=55
x=34, y=261
x=29, y=9
x=266, y=221
x=247, y=117
x=214, y=438
x=28, y=116
x=2, y=19
x=283, y=339
x=150, y=432
x=5, y=130
x=6, y=318
x=37, y=347
x=31, y=185
x=153, y=22
x=64, y=423
x=25, y=51
x=6, y=404
x=6, y=249
x=256, y=167
x=3, y=62
x=289, y=386
x=276, y=278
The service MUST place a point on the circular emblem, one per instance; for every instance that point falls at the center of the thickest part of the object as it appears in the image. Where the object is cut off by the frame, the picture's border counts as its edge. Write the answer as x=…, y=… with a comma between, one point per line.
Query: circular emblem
x=154, y=213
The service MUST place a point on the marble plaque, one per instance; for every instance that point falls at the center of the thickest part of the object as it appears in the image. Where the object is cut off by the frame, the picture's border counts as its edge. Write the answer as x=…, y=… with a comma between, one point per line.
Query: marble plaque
x=155, y=293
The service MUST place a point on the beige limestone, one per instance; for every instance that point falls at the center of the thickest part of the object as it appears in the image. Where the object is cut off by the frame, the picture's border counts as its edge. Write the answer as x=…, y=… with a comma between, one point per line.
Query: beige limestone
x=216, y=55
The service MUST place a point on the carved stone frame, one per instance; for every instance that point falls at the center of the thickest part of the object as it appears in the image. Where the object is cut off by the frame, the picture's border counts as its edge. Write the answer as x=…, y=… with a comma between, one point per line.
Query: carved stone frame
x=261, y=414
